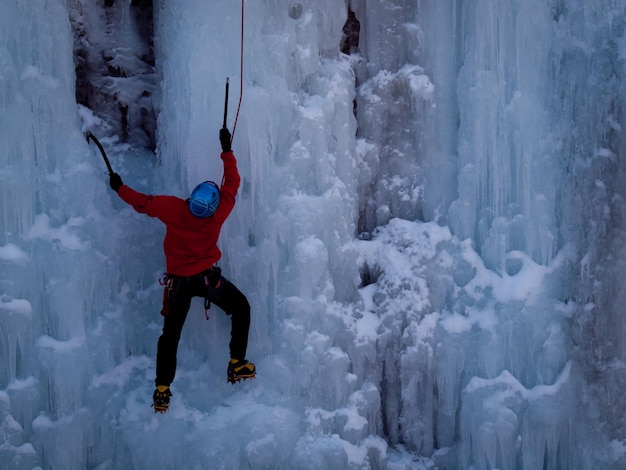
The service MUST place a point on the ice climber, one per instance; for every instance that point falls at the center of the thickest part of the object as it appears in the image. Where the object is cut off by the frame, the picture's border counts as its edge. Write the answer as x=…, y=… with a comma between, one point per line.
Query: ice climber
x=191, y=253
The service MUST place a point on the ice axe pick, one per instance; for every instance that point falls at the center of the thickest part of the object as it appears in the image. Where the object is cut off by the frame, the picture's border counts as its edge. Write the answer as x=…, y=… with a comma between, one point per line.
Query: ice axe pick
x=89, y=135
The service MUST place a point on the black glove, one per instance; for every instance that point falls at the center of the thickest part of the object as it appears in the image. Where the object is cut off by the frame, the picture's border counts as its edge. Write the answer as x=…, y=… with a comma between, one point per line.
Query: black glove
x=225, y=139
x=115, y=181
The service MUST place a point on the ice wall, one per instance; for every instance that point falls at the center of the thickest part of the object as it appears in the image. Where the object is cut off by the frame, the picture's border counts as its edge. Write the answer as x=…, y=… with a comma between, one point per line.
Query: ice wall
x=61, y=280
x=48, y=196
x=527, y=122
x=503, y=111
x=509, y=162
x=434, y=273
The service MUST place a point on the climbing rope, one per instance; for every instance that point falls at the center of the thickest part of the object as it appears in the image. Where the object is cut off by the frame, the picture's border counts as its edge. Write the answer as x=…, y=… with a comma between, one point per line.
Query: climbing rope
x=240, y=73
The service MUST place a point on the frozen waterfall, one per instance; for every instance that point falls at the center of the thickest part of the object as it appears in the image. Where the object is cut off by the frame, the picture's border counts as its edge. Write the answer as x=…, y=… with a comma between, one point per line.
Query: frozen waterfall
x=430, y=231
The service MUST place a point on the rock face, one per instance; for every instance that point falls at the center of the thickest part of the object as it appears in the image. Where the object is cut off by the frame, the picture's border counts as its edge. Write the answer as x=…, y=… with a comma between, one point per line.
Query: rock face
x=115, y=67
x=351, y=31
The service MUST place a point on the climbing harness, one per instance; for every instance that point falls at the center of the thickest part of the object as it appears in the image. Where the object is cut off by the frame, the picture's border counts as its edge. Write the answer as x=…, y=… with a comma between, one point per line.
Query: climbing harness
x=212, y=279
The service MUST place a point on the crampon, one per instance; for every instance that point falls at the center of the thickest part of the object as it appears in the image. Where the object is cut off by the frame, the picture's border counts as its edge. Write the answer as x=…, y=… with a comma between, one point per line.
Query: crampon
x=240, y=369
x=161, y=399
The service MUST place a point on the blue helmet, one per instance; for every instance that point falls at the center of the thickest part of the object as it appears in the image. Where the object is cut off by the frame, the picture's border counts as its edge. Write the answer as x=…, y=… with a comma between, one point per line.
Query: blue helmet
x=204, y=199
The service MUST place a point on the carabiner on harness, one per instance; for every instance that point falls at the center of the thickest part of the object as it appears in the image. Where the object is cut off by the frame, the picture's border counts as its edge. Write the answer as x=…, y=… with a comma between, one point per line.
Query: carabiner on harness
x=167, y=281
x=213, y=281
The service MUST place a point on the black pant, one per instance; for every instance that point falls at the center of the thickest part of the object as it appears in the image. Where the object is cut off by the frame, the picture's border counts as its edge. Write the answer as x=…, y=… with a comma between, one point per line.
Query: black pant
x=226, y=296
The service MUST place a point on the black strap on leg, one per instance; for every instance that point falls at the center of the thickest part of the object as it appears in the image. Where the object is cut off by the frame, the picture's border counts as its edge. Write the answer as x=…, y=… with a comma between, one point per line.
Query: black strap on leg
x=213, y=280
x=166, y=281
x=207, y=306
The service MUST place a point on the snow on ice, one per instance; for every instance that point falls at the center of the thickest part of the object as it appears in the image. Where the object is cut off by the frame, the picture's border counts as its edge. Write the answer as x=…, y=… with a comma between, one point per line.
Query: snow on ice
x=429, y=230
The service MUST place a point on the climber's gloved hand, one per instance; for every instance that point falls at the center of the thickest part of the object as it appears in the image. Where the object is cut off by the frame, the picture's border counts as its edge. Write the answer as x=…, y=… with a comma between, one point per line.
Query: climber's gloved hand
x=225, y=139
x=115, y=181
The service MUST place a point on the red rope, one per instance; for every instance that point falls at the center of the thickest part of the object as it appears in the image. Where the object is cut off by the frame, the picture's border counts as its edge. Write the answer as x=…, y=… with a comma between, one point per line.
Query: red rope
x=240, y=73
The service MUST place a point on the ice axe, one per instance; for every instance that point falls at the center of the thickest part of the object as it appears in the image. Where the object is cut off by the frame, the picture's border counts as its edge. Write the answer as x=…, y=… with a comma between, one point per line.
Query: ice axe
x=226, y=103
x=89, y=135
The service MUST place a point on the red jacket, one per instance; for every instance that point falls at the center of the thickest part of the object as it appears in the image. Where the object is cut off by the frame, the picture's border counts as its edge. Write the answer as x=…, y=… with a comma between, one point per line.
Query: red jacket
x=190, y=243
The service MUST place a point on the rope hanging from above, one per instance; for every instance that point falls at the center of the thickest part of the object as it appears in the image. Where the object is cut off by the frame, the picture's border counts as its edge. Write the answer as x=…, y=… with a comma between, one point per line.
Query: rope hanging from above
x=240, y=72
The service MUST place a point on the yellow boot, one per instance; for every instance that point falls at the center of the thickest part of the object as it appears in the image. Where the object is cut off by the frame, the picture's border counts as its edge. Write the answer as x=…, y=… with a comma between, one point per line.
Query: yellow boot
x=161, y=398
x=240, y=369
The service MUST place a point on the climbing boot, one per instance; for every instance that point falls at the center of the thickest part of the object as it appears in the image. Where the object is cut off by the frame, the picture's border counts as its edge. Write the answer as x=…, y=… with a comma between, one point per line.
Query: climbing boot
x=240, y=369
x=161, y=398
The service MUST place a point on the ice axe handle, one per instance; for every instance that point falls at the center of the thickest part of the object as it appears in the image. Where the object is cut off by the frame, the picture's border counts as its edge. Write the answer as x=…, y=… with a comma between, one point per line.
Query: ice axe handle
x=104, y=155
x=226, y=103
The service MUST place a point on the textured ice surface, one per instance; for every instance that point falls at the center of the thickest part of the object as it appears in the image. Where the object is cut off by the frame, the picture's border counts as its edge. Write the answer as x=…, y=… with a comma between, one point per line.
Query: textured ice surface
x=429, y=231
